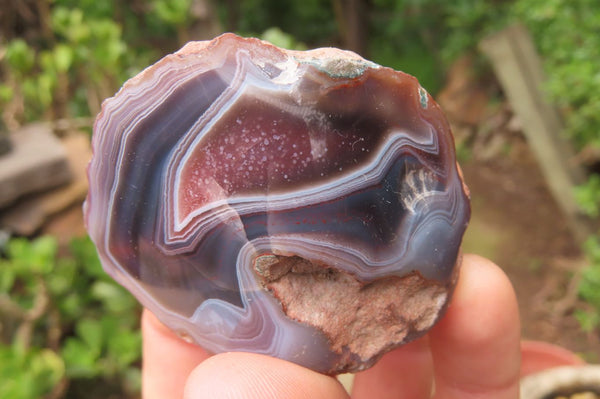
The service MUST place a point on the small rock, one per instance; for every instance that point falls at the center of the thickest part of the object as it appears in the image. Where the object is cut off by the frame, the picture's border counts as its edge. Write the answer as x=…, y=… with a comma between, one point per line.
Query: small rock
x=29, y=214
x=37, y=161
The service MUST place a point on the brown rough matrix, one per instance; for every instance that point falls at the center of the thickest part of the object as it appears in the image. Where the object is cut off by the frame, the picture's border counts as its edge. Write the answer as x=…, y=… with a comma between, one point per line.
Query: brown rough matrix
x=361, y=320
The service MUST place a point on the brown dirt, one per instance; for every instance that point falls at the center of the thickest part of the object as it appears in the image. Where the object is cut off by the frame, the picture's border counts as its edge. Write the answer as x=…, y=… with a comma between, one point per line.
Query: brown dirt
x=517, y=224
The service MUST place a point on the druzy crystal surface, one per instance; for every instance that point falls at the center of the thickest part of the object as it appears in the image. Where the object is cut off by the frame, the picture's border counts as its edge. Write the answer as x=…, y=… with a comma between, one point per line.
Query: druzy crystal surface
x=304, y=205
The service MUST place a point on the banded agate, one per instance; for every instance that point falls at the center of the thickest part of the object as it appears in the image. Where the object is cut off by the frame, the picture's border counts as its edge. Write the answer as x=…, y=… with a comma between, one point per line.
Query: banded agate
x=303, y=205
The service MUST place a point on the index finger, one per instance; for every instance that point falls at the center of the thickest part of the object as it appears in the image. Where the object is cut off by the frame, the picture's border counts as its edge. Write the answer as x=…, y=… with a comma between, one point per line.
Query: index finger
x=476, y=346
x=167, y=360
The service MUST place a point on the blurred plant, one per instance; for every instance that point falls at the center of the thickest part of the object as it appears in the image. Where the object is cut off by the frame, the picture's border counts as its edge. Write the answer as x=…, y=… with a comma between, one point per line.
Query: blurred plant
x=66, y=325
x=588, y=196
x=589, y=288
x=175, y=14
x=29, y=373
x=308, y=21
x=567, y=35
x=39, y=80
x=281, y=39
x=66, y=69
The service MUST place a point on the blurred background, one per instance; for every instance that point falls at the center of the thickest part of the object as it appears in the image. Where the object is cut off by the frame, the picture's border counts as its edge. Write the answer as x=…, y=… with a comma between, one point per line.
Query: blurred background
x=518, y=79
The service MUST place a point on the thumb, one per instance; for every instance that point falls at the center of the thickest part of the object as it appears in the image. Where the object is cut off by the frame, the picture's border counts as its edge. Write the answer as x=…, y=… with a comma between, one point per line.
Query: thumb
x=250, y=376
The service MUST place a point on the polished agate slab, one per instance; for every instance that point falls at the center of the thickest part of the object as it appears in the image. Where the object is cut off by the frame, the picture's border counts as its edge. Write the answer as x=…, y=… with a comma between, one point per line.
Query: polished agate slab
x=303, y=205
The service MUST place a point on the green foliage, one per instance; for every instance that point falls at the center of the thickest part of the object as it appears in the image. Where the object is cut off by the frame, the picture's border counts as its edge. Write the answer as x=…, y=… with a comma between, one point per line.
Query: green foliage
x=401, y=39
x=64, y=319
x=589, y=288
x=308, y=21
x=28, y=373
x=84, y=58
x=588, y=320
x=416, y=36
x=591, y=276
x=173, y=12
x=588, y=196
x=282, y=39
x=100, y=348
x=567, y=35
x=20, y=56
x=87, y=51
x=422, y=37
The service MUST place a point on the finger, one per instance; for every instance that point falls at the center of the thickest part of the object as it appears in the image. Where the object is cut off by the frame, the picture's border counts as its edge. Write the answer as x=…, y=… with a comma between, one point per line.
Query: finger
x=475, y=347
x=251, y=376
x=406, y=370
x=167, y=360
x=537, y=356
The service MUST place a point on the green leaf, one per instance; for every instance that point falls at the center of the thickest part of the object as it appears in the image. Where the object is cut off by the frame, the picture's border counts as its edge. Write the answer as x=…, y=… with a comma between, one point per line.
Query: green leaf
x=7, y=276
x=587, y=320
x=84, y=251
x=110, y=324
x=70, y=23
x=92, y=334
x=72, y=306
x=37, y=256
x=588, y=196
x=48, y=365
x=125, y=347
x=174, y=12
x=45, y=84
x=20, y=56
x=279, y=38
x=28, y=374
x=63, y=57
x=80, y=362
x=589, y=287
x=6, y=93
x=44, y=253
x=592, y=250
x=114, y=297
x=61, y=280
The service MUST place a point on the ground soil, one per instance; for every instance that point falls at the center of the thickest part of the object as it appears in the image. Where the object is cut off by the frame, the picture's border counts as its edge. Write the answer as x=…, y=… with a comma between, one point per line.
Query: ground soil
x=517, y=224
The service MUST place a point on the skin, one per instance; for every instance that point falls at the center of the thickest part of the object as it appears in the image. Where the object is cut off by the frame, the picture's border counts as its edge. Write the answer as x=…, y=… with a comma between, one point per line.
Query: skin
x=473, y=352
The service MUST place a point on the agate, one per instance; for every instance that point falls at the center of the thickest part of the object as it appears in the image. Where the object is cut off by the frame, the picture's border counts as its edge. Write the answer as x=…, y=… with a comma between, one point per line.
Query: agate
x=303, y=205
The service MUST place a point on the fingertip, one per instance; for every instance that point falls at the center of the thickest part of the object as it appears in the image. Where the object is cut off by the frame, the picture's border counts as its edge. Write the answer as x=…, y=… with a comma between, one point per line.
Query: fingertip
x=475, y=346
x=251, y=376
x=167, y=360
x=484, y=299
x=407, y=369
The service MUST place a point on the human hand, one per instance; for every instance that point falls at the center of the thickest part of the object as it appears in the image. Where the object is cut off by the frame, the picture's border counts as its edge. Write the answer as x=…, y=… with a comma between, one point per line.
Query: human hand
x=473, y=352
